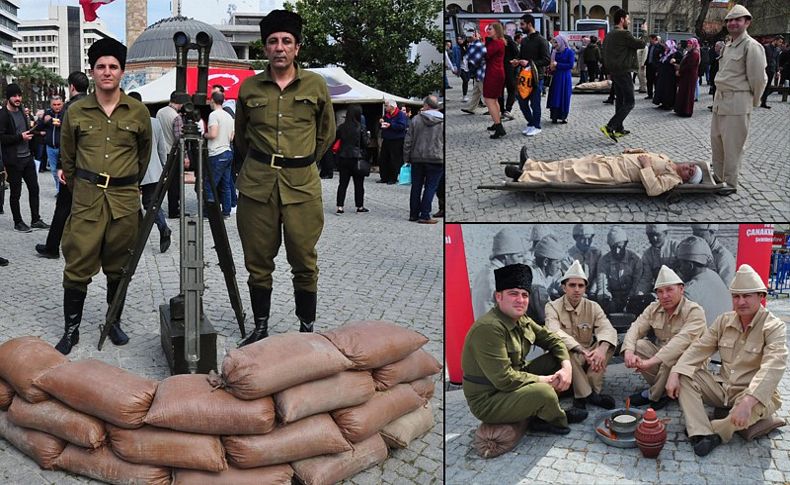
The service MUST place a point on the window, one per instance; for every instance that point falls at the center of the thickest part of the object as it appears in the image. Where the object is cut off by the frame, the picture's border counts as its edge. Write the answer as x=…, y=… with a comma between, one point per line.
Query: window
x=636, y=26
x=659, y=25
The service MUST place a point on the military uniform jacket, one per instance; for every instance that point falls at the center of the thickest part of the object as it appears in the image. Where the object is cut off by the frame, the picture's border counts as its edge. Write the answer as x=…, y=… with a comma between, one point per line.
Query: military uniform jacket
x=296, y=122
x=584, y=326
x=496, y=348
x=751, y=361
x=619, y=276
x=674, y=332
x=741, y=77
x=652, y=259
x=119, y=145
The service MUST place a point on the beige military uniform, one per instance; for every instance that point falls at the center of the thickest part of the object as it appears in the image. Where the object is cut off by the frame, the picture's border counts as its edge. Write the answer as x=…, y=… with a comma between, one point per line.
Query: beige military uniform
x=606, y=170
x=752, y=363
x=739, y=84
x=583, y=327
x=674, y=333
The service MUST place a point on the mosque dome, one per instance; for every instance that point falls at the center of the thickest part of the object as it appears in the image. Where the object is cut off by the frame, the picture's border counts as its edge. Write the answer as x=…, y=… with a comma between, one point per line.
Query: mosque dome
x=156, y=41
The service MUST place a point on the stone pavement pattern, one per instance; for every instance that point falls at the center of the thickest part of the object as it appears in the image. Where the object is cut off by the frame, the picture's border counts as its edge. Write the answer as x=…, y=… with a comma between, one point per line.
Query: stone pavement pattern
x=372, y=266
x=474, y=159
x=579, y=457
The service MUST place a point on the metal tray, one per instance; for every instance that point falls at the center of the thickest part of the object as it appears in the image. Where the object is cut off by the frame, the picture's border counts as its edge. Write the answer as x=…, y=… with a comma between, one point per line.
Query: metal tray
x=623, y=440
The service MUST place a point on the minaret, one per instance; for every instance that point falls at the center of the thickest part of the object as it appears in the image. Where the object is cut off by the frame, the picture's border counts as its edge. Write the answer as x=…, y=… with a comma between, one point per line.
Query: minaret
x=136, y=19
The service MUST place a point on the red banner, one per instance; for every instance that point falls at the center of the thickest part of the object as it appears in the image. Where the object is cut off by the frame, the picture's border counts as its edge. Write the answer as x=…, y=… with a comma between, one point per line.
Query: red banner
x=230, y=79
x=779, y=239
x=458, y=314
x=754, y=248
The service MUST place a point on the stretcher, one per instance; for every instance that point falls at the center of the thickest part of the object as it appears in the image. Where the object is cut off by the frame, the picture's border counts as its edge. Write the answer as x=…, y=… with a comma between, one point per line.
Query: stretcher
x=576, y=90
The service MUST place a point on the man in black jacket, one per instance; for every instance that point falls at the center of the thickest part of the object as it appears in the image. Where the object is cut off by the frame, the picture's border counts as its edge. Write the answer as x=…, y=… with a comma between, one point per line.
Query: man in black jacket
x=534, y=48
x=78, y=86
x=654, y=51
x=15, y=135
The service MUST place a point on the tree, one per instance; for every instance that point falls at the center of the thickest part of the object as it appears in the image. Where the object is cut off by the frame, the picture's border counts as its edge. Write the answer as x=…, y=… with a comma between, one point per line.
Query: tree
x=7, y=70
x=371, y=40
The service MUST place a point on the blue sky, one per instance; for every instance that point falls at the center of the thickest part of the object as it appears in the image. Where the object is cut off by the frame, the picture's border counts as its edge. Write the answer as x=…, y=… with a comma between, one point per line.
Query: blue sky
x=114, y=14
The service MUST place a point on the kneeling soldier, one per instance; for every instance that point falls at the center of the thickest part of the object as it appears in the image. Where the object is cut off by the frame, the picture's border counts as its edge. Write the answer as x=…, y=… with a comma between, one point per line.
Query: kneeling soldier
x=591, y=339
x=753, y=349
x=499, y=385
x=676, y=322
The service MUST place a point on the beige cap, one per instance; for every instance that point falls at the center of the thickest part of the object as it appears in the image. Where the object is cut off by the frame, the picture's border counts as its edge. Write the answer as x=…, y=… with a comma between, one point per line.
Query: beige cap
x=737, y=12
x=575, y=271
x=616, y=235
x=667, y=277
x=747, y=281
x=507, y=241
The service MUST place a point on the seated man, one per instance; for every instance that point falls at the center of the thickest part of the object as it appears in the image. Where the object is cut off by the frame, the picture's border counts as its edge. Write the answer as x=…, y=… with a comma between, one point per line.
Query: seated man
x=500, y=386
x=587, y=334
x=752, y=345
x=655, y=171
x=676, y=322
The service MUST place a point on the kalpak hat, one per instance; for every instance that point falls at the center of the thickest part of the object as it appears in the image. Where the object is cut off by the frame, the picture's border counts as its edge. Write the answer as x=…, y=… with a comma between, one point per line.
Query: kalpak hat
x=666, y=277
x=747, y=281
x=575, y=271
x=513, y=276
x=281, y=21
x=107, y=47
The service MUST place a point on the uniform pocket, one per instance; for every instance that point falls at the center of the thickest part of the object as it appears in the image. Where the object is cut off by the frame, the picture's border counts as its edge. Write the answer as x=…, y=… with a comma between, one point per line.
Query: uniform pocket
x=585, y=334
x=126, y=133
x=305, y=107
x=89, y=134
x=727, y=350
x=256, y=108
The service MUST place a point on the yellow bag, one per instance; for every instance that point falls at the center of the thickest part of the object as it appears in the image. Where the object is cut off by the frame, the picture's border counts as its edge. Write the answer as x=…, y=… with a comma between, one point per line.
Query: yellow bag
x=526, y=81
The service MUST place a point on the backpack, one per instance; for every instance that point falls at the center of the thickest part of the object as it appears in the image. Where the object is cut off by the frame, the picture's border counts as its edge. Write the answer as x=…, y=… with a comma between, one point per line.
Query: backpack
x=526, y=81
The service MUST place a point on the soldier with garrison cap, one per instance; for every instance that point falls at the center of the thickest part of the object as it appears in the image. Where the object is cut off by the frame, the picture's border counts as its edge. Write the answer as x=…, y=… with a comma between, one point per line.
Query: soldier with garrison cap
x=703, y=285
x=660, y=253
x=105, y=148
x=508, y=248
x=752, y=344
x=588, y=335
x=619, y=271
x=584, y=252
x=676, y=322
x=284, y=124
x=500, y=386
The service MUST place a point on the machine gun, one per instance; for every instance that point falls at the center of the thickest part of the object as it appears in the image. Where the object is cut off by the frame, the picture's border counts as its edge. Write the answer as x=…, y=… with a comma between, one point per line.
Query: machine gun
x=188, y=305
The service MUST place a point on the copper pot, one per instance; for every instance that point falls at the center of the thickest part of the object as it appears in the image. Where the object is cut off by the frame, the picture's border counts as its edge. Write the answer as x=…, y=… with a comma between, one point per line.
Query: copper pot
x=651, y=434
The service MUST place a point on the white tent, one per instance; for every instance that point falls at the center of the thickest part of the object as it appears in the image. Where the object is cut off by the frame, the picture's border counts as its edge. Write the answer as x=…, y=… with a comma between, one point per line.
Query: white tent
x=343, y=88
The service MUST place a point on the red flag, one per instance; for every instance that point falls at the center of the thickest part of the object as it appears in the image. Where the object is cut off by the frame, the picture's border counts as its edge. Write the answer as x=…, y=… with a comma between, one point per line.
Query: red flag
x=89, y=8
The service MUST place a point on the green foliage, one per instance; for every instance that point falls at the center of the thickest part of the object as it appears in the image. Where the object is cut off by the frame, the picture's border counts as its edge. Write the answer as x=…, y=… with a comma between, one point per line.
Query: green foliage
x=371, y=40
x=36, y=81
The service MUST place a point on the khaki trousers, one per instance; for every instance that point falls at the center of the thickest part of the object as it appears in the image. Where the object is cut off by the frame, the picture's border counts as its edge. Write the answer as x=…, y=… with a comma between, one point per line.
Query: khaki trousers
x=728, y=135
x=703, y=388
x=474, y=99
x=584, y=380
x=657, y=375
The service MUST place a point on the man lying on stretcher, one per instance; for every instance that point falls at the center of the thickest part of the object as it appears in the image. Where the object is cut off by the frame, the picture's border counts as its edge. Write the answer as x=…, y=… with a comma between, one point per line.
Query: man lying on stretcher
x=655, y=171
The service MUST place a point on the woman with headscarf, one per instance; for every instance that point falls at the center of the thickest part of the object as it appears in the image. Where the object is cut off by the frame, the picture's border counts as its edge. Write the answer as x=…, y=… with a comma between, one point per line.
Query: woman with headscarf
x=353, y=146
x=688, y=79
x=666, y=81
x=559, y=99
x=494, y=80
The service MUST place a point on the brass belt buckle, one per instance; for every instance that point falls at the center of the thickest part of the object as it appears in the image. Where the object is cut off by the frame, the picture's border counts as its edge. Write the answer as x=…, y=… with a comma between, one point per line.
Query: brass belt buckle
x=106, y=181
x=275, y=156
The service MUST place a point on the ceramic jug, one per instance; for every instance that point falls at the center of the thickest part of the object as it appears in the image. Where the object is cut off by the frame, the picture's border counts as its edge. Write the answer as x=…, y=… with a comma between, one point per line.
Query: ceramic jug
x=651, y=434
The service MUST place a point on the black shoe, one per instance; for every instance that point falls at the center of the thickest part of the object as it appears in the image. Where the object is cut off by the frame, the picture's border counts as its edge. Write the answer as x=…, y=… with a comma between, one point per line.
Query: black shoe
x=638, y=400
x=467, y=111
x=117, y=336
x=765, y=106
x=511, y=171
x=165, y=240
x=22, y=227
x=414, y=219
x=575, y=415
x=523, y=155
x=261, y=299
x=39, y=224
x=42, y=251
x=363, y=209
x=721, y=413
x=381, y=181
x=601, y=400
x=305, y=302
x=392, y=182
x=580, y=403
x=439, y=214
x=660, y=404
x=499, y=131
x=608, y=101
x=492, y=127
x=706, y=444
x=540, y=426
x=3, y=262
x=73, y=302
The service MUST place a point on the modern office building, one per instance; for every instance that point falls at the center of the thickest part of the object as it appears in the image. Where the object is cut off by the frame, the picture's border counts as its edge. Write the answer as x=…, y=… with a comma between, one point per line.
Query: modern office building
x=9, y=29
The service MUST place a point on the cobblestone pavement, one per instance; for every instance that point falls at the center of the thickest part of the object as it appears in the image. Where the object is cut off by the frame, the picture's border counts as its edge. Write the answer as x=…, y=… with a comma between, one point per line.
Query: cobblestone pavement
x=373, y=266
x=474, y=159
x=579, y=457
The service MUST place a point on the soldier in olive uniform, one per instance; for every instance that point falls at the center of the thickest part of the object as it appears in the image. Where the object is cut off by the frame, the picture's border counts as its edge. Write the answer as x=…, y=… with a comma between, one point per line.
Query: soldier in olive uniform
x=105, y=148
x=753, y=348
x=619, y=271
x=284, y=123
x=500, y=386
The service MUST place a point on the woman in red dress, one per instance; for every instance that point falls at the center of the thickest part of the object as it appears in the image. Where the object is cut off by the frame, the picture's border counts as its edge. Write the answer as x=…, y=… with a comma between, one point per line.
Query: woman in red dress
x=687, y=80
x=494, y=81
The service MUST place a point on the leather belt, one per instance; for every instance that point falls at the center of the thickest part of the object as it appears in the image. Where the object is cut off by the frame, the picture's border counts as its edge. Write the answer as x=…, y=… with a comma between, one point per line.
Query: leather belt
x=478, y=380
x=279, y=161
x=103, y=180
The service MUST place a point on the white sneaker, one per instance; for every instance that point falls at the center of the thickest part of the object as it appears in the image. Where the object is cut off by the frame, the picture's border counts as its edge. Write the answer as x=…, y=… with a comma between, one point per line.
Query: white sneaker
x=506, y=115
x=526, y=130
x=465, y=99
x=533, y=131
x=232, y=210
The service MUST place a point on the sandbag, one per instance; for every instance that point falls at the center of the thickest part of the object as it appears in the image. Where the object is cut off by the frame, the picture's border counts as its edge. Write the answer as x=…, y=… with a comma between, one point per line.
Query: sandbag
x=342, y=390
x=43, y=448
x=401, y=432
x=6, y=394
x=330, y=469
x=414, y=366
x=102, y=464
x=279, y=362
x=425, y=387
x=361, y=422
x=268, y=475
x=189, y=403
x=165, y=447
x=57, y=419
x=101, y=390
x=374, y=343
x=315, y=435
x=492, y=440
x=24, y=359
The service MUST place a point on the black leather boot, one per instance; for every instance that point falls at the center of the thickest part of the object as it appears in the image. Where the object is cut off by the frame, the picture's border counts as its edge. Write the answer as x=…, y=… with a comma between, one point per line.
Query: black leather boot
x=73, y=301
x=305, y=309
x=117, y=336
x=261, y=299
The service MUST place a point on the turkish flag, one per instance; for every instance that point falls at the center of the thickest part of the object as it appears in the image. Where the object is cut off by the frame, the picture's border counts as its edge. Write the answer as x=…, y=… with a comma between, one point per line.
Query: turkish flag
x=89, y=8
x=230, y=79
